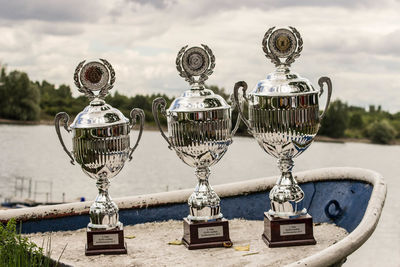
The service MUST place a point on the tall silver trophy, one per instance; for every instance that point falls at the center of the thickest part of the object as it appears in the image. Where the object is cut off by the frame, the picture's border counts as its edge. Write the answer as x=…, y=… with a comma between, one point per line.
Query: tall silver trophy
x=284, y=118
x=101, y=146
x=199, y=130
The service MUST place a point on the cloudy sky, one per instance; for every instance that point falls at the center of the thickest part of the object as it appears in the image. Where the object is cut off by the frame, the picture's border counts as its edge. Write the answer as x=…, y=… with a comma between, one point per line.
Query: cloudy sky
x=356, y=43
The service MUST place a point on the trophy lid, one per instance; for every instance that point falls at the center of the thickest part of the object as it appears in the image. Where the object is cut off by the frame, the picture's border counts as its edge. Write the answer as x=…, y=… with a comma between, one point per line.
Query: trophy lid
x=95, y=116
x=96, y=76
x=191, y=63
x=278, y=44
x=198, y=100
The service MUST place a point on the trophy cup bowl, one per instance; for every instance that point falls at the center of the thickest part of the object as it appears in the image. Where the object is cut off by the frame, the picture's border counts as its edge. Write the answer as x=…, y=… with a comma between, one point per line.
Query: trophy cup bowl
x=199, y=130
x=101, y=146
x=200, y=139
x=284, y=118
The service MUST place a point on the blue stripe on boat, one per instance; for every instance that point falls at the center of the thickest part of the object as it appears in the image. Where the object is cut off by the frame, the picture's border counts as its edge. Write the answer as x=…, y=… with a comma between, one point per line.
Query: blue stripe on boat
x=352, y=197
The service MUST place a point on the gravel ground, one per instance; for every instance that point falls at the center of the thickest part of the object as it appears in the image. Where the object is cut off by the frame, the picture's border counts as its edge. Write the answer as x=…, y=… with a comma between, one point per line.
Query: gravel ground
x=149, y=247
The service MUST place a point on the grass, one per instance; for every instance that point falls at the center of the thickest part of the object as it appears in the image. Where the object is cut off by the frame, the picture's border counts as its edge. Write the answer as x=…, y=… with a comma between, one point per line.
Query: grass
x=18, y=251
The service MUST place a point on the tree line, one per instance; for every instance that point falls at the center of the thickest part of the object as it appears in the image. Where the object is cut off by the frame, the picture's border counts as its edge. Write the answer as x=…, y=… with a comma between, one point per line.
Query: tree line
x=26, y=100
x=346, y=121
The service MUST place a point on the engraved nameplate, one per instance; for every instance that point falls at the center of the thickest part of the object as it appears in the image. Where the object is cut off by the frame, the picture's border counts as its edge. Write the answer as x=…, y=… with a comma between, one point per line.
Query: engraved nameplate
x=293, y=229
x=207, y=232
x=106, y=239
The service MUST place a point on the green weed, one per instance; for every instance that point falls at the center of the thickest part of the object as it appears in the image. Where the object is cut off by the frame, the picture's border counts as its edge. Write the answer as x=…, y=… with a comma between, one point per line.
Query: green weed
x=18, y=251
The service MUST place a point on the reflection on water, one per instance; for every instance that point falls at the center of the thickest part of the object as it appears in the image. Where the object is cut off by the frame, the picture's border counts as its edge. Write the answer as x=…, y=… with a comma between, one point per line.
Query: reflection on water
x=34, y=151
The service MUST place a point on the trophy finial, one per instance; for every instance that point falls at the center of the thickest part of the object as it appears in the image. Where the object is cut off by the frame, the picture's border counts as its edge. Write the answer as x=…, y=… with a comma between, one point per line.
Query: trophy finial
x=282, y=43
x=94, y=76
x=195, y=61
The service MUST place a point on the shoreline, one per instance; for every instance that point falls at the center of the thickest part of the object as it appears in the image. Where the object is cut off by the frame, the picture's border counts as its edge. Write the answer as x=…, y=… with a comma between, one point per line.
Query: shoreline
x=150, y=127
x=147, y=127
x=16, y=122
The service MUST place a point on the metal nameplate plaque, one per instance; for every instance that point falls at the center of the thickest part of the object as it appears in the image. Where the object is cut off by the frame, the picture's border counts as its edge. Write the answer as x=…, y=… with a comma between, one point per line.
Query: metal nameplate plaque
x=207, y=232
x=293, y=229
x=105, y=239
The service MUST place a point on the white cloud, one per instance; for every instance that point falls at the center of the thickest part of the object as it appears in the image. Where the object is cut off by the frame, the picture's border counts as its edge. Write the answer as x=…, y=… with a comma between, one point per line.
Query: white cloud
x=51, y=11
x=354, y=42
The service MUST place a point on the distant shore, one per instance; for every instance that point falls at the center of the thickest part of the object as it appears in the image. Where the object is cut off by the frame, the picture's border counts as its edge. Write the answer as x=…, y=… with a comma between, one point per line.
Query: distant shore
x=16, y=122
x=147, y=127
x=320, y=138
x=151, y=127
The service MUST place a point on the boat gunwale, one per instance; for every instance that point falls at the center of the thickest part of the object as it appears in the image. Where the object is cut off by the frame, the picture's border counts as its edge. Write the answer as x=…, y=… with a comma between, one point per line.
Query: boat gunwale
x=339, y=251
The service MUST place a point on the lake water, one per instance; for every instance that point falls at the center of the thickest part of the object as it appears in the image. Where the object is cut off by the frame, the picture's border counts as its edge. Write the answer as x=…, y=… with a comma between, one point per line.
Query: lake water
x=35, y=152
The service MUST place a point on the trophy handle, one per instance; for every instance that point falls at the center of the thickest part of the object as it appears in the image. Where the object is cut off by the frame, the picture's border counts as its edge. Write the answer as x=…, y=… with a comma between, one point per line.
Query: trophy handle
x=238, y=117
x=135, y=114
x=243, y=85
x=159, y=101
x=328, y=82
x=63, y=116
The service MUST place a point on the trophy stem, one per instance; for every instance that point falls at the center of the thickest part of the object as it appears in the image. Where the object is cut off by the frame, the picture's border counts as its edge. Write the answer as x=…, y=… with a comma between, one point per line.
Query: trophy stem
x=197, y=86
x=286, y=196
x=286, y=166
x=103, y=212
x=204, y=202
x=282, y=68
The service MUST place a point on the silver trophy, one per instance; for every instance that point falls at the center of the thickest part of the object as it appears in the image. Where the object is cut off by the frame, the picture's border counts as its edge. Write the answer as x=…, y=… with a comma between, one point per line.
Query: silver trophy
x=284, y=116
x=101, y=146
x=199, y=130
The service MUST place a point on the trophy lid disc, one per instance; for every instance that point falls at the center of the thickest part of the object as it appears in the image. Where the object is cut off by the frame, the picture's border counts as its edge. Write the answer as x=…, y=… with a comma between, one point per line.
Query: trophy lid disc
x=195, y=65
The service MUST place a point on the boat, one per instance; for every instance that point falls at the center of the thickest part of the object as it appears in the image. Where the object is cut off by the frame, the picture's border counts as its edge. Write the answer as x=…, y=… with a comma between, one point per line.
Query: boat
x=351, y=198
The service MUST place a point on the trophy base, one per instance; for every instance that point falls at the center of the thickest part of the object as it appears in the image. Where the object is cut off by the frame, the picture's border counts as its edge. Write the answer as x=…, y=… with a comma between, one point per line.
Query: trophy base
x=282, y=232
x=197, y=235
x=109, y=242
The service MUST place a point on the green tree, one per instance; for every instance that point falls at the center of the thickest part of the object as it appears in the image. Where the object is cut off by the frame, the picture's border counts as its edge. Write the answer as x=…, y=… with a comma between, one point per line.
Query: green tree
x=54, y=100
x=372, y=109
x=381, y=132
x=356, y=121
x=19, y=97
x=336, y=119
x=219, y=91
x=119, y=101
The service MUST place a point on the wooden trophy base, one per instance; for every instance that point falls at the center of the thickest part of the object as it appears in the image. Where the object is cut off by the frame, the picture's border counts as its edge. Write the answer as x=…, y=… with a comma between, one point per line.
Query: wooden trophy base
x=280, y=232
x=197, y=235
x=105, y=242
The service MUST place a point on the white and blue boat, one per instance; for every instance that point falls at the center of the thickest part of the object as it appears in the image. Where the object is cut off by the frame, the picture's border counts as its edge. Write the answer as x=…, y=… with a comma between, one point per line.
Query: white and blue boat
x=351, y=198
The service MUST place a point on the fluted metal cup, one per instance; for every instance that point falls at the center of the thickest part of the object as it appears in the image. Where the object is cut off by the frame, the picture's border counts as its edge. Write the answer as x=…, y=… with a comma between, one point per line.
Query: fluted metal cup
x=199, y=128
x=284, y=116
x=101, y=140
